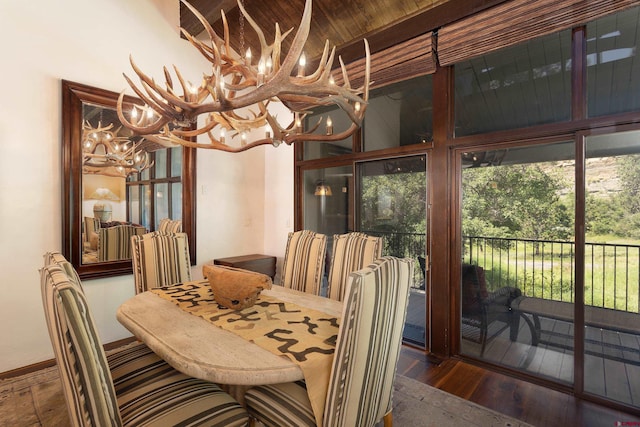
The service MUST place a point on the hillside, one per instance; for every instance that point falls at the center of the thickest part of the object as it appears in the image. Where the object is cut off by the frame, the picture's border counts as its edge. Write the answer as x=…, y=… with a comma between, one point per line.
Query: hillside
x=602, y=175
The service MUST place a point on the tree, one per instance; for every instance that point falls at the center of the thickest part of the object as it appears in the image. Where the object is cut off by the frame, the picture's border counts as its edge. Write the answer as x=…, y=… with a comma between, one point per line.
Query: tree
x=394, y=202
x=522, y=200
x=629, y=173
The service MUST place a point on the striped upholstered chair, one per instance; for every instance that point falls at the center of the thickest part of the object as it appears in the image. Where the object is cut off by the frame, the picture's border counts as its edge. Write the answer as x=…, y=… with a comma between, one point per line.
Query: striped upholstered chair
x=168, y=225
x=303, y=265
x=160, y=259
x=366, y=356
x=351, y=252
x=133, y=387
x=114, y=242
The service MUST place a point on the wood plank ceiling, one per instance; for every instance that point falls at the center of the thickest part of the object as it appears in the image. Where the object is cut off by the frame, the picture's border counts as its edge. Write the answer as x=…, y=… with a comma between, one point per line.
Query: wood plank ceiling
x=343, y=23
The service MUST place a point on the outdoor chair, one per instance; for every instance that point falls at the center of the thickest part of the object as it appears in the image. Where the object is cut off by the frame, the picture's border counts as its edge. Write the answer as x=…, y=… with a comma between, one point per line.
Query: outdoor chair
x=481, y=308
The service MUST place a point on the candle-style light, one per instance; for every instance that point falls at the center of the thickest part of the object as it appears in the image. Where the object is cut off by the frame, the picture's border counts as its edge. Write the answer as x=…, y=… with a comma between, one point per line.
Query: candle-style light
x=301, y=64
x=269, y=65
x=267, y=131
x=329, y=126
x=261, y=70
x=298, y=122
x=222, y=134
x=247, y=57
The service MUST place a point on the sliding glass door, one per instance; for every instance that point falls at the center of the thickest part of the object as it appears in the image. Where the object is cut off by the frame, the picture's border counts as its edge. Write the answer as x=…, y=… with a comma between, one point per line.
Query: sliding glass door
x=612, y=267
x=517, y=276
x=392, y=203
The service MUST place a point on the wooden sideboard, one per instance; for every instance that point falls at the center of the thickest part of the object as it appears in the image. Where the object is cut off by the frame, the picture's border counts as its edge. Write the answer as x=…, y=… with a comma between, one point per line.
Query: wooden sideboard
x=265, y=264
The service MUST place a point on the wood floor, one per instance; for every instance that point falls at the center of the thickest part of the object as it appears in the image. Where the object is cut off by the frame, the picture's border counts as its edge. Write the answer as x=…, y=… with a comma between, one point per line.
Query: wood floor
x=520, y=399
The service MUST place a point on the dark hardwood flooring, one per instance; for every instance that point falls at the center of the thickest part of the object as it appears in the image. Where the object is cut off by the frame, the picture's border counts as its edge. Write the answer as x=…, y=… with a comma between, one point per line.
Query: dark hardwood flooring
x=517, y=398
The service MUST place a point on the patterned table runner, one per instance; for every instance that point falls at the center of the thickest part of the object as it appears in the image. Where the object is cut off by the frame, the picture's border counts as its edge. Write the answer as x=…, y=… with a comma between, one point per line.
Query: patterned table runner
x=306, y=336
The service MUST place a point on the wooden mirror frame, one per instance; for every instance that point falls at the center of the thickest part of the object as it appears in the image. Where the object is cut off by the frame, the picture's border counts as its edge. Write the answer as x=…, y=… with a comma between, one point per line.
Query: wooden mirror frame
x=73, y=97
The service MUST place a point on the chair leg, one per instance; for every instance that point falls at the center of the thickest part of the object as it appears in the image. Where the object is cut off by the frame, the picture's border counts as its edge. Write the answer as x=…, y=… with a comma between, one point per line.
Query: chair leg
x=388, y=419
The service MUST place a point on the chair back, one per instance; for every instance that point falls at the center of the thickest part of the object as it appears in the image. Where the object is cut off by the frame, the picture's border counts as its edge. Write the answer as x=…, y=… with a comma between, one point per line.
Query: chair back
x=168, y=225
x=91, y=226
x=303, y=264
x=114, y=242
x=351, y=252
x=160, y=259
x=368, y=344
x=86, y=380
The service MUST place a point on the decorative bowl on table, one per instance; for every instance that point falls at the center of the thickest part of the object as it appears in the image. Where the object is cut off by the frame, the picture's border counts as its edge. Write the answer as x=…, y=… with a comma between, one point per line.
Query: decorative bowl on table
x=235, y=288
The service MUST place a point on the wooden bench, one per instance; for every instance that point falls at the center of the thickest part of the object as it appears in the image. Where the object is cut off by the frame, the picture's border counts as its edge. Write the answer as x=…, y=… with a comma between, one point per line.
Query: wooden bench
x=615, y=321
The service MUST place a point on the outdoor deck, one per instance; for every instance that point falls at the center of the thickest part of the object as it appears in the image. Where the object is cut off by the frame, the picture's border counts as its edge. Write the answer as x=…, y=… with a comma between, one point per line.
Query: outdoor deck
x=612, y=359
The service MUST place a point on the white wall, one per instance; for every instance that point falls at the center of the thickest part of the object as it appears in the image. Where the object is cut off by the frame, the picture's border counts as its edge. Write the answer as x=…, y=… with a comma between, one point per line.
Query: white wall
x=89, y=42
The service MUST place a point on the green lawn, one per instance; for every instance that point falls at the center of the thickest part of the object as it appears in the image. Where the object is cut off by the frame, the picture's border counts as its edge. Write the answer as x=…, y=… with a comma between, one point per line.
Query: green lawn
x=612, y=272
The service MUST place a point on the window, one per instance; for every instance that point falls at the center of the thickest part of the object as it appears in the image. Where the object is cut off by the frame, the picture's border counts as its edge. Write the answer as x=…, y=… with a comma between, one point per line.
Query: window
x=524, y=85
x=613, y=66
x=399, y=115
x=157, y=193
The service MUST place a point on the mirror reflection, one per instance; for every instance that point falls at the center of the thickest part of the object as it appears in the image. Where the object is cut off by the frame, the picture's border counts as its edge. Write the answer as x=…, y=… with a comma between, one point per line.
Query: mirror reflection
x=110, y=154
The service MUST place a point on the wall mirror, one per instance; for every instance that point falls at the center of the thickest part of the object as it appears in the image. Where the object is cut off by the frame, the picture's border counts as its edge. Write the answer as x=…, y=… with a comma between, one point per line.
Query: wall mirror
x=116, y=183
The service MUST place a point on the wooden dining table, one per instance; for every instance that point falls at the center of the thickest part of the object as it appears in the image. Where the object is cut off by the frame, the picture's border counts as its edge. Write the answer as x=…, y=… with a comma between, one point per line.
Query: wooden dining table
x=196, y=347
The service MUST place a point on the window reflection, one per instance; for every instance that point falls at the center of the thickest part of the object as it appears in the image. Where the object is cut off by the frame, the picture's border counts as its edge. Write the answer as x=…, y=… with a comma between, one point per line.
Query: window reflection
x=520, y=86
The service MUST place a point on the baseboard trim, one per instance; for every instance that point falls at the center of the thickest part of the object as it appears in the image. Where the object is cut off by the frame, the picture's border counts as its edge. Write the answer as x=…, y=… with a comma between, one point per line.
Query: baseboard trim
x=52, y=362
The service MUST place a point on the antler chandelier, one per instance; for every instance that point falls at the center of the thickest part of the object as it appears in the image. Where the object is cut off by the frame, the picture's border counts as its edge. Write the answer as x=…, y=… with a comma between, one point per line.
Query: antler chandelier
x=235, y=97
x=106, y=153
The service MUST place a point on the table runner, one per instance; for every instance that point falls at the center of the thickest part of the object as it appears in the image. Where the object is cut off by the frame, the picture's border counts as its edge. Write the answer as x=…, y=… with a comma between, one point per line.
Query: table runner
x=304, y=335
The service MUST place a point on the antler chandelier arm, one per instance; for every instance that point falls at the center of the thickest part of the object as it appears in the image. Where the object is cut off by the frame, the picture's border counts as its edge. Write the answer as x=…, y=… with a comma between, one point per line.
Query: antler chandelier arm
x=235, y=84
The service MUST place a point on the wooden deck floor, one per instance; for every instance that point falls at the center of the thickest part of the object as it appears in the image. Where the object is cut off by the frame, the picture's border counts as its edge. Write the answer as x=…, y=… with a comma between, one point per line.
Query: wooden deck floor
x=612, y=359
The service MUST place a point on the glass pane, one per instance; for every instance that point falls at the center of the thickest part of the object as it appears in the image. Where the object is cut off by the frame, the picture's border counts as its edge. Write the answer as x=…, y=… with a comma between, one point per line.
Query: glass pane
x=134, y=204
x=392, y=204
x=319, y=150
x=146, y=206
x=517, y=275
x=176, y=161
x=399, y=114
x=613, y=65
x=162, y=202
x=612, y=267
x=161, y=164
x=524, y=85
x=326, y=203
x=176, y=200
x=326, y=200
x=145, y=175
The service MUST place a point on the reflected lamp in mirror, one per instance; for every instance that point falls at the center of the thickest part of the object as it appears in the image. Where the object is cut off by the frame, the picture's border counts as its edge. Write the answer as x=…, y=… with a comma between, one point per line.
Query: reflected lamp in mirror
x=323, y=189
x=102, y=210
